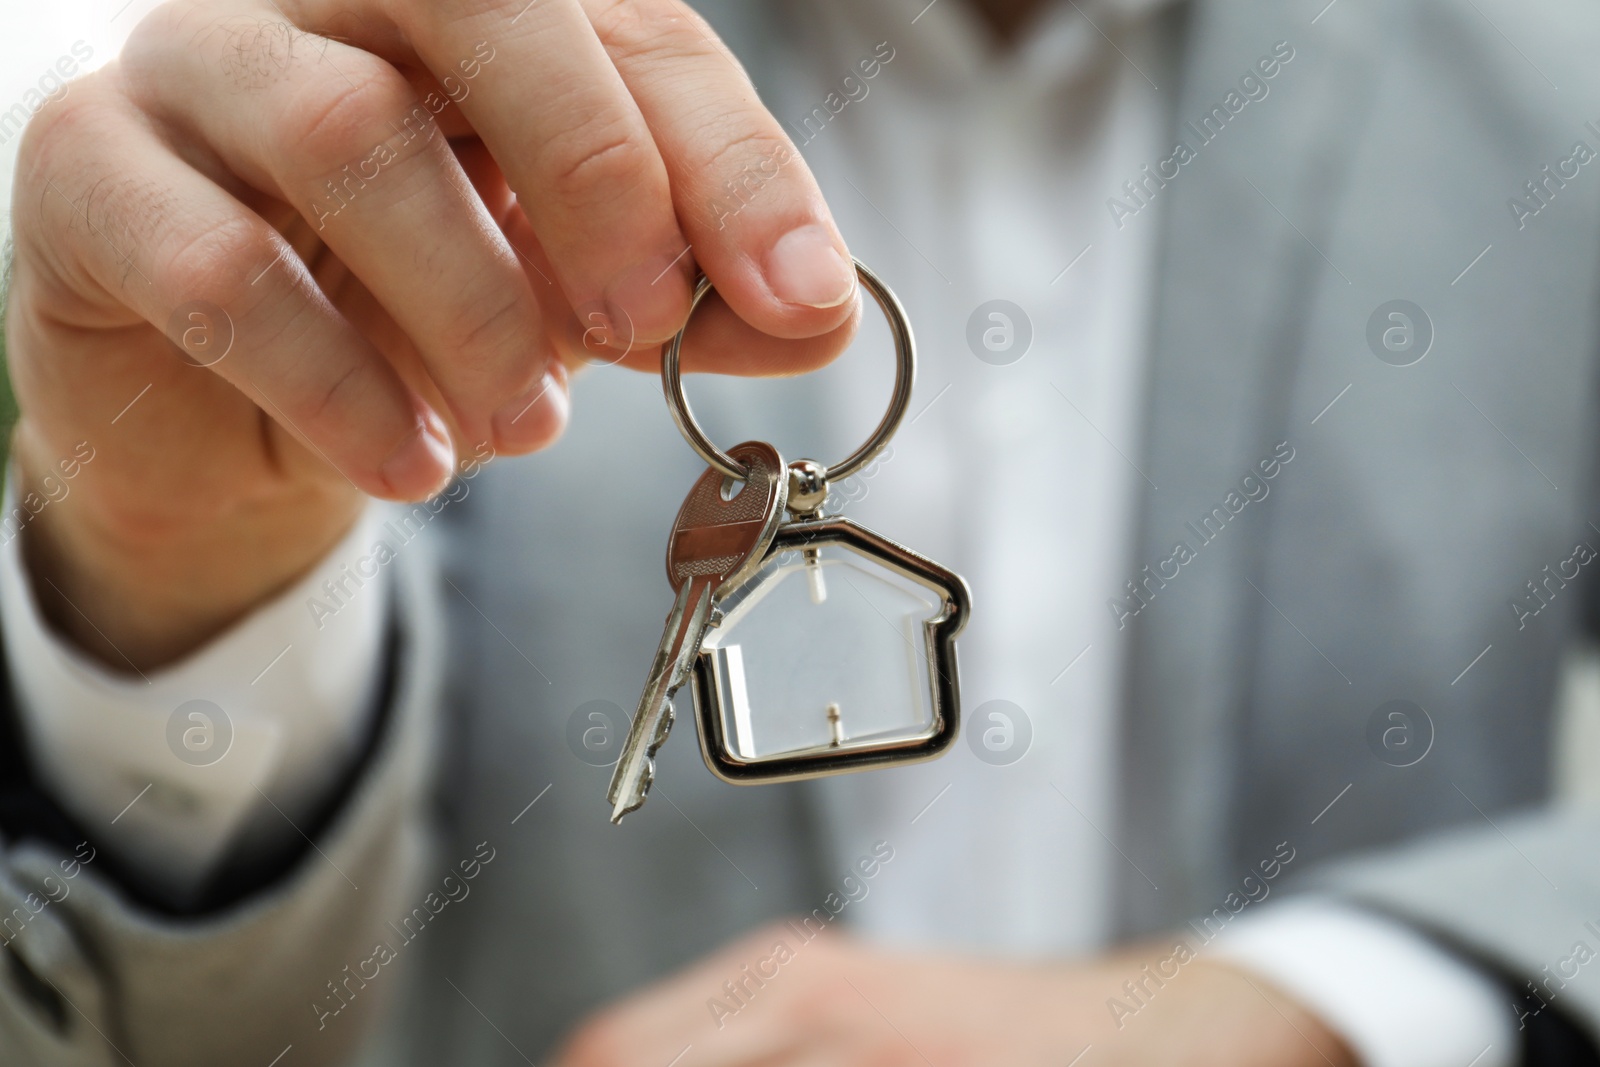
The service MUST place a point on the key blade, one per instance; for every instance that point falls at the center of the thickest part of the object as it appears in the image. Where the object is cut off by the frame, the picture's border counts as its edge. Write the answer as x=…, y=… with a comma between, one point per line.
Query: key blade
x=636, y=769
x=689, y=647
x=625, y=793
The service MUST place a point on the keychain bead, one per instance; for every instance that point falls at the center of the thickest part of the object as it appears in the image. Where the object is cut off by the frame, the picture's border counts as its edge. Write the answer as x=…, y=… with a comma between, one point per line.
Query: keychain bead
x=808, y=487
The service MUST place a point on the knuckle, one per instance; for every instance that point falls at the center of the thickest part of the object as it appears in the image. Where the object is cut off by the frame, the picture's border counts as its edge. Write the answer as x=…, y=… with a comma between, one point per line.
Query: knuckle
x=256, y=51
x=98, y=220
x=214, y=263
x=735, y=149
x=47, y=138
x=488, y=329
x=327, y=403
x=645, y=29
x=59, y=134
x=243, y=51
x=597, y=162
x=151, y=41
x=344, y=120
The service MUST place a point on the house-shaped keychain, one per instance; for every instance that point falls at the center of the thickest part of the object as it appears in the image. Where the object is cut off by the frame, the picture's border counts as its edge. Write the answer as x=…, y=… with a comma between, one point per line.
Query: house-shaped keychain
x=837, y=655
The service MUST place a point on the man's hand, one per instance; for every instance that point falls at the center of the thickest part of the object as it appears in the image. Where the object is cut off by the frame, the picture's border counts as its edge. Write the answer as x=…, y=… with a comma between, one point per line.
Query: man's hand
x=832, y=1001
x=284, y=254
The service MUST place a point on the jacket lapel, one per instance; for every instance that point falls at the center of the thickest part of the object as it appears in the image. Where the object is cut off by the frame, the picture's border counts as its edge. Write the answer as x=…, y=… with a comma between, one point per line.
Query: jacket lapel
x=1242, y=223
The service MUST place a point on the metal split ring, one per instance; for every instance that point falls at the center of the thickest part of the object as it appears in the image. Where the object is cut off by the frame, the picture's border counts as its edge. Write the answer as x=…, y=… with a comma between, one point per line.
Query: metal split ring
x=905, y=373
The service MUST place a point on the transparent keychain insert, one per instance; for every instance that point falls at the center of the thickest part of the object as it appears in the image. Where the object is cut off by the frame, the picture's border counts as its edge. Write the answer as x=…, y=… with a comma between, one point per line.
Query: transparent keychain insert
x=837, y=654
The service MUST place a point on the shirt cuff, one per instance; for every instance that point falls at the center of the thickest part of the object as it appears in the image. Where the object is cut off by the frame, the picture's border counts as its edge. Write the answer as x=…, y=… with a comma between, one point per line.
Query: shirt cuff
x=233, y=745
x=1397, y=998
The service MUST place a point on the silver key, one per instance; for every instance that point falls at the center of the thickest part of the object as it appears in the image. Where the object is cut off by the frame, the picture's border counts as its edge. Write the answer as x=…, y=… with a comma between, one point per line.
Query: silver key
x=717, y=541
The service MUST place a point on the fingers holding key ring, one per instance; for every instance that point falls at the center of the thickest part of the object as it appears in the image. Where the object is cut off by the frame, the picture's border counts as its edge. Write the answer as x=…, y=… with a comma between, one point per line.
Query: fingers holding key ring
x=811, y=475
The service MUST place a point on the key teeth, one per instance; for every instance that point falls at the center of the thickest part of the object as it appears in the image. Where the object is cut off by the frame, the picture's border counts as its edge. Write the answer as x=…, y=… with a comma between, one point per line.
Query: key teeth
x=668, y=717
x=647, y=778
x=665, y=680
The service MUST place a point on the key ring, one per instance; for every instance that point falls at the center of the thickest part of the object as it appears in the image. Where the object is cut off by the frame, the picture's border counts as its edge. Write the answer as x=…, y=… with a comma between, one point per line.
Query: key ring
x=905, y=374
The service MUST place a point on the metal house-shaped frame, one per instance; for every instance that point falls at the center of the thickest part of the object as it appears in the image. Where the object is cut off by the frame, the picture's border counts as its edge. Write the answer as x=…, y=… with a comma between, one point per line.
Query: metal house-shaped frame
x=938, y=653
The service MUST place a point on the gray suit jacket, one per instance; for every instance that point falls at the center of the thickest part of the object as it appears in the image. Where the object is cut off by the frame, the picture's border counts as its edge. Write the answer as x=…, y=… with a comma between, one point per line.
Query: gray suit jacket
x=1421, y=504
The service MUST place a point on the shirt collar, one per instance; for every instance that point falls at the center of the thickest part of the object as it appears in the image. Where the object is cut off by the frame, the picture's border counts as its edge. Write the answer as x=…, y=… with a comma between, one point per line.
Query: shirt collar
x=945, y=47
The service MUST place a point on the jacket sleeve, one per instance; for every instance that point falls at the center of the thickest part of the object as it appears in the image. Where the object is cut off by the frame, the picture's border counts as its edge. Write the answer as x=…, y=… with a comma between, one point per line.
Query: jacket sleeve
x=285, y=950
x=1519, y=895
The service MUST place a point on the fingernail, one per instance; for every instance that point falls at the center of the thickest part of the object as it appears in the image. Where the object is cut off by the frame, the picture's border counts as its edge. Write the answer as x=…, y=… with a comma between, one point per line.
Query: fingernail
x=535, y=418
x=805, y=268
x=422, y=463
x=649, y=302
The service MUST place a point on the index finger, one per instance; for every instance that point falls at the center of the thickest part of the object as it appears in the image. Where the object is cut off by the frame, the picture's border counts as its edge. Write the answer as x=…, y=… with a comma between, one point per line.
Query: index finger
x=657, y=116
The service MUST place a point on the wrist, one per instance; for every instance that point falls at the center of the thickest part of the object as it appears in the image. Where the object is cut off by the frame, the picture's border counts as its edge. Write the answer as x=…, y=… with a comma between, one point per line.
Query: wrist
x=138, y=589
x=1179, y=1006
x=1298, y=1035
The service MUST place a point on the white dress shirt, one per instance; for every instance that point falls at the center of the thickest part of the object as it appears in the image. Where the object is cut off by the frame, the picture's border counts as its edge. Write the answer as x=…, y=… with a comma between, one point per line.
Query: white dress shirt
x=992, y=171
x=263, y=721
